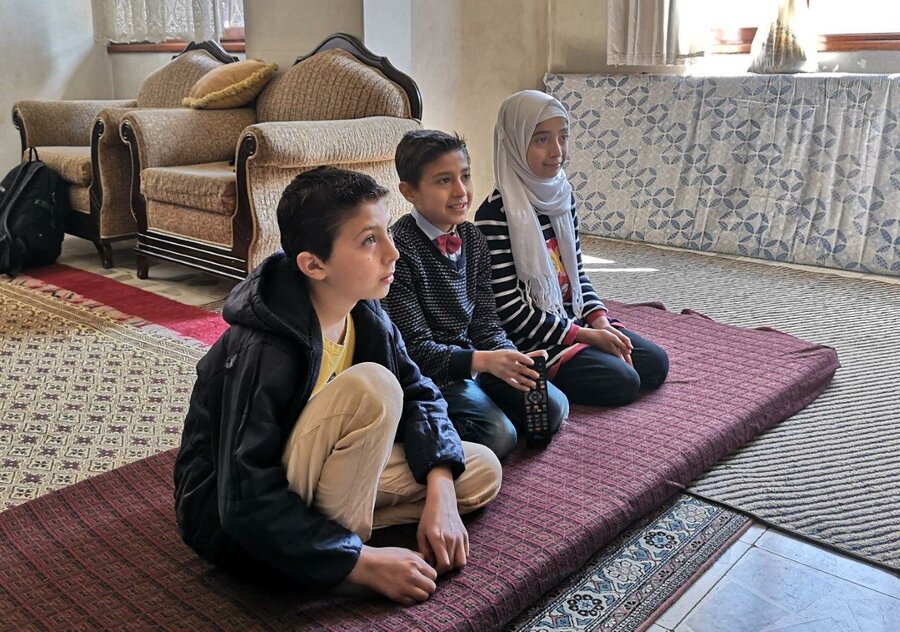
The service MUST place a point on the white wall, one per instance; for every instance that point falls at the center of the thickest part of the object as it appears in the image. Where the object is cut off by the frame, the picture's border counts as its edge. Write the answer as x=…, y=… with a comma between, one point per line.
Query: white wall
x=387, y=31
x=577, y=35
x=467, y=57
x=48, y=53
x=280, y=30
x=130, y=69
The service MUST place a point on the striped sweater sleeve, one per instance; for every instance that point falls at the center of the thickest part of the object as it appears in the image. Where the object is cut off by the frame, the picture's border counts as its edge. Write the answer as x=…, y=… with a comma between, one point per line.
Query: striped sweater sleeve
x=525, y=323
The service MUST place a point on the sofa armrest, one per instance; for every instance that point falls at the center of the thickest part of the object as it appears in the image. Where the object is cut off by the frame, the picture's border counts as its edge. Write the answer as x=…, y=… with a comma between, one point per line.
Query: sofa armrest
x=54, y=123
x=110, y=120
x=185, y=137
x=299, y=144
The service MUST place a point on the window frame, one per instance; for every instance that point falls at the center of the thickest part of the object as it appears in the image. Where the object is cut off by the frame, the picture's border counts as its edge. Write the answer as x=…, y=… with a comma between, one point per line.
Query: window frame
x=733, y=41
x=232, y=41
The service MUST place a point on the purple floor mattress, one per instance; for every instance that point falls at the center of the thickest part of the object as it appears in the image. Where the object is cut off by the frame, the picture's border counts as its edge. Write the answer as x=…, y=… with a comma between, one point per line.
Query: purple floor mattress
x=105, y=554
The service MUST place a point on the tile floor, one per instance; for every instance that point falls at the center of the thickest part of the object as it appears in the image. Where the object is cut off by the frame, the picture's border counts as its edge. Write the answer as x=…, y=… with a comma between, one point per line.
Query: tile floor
x=767, y=581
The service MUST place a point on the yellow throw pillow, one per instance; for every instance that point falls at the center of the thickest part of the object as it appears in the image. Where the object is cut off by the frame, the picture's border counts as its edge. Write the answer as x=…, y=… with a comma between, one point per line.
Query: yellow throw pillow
x=230, y=85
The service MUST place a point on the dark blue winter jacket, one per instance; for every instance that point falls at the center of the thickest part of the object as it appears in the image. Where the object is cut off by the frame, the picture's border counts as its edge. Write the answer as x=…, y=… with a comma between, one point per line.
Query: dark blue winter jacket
x=231, y=492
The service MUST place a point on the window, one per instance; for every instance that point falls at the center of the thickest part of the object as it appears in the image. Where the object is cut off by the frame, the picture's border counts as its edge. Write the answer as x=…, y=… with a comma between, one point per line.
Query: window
x=843, y=25
x=161, y=25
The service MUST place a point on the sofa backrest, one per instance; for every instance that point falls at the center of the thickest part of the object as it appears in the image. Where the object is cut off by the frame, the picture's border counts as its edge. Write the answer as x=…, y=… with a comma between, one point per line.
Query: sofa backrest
x=331, y=85
x=167, y=86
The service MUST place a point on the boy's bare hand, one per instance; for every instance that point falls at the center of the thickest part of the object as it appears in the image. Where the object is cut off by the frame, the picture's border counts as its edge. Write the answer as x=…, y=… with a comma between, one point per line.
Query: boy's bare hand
x=609, y=340
x=508, y=365
x=442, y=537
x=399, y=574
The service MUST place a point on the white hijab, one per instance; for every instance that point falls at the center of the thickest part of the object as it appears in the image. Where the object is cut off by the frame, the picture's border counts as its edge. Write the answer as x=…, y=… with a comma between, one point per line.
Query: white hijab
x=525, y=195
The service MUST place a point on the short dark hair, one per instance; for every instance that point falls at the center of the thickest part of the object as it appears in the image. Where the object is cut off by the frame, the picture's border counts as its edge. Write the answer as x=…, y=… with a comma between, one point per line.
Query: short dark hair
x=422, y=146
x=315, y=205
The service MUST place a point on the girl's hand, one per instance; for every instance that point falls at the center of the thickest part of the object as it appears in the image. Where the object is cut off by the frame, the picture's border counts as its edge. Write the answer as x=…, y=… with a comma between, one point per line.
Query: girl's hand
x=609, y=340
x=508, y=365
x=602, y=323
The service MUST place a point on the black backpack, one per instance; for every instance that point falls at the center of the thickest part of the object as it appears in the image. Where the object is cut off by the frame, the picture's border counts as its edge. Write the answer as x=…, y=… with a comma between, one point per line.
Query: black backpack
x=34, y=207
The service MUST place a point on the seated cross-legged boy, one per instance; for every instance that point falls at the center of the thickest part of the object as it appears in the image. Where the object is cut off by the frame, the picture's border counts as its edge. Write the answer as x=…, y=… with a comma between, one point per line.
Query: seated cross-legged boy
x=309, y=425
x=443, y=303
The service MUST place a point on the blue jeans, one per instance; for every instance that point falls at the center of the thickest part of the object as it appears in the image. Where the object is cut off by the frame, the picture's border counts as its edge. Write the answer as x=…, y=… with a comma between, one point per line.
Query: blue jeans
x=596, y=378
x=491, y=412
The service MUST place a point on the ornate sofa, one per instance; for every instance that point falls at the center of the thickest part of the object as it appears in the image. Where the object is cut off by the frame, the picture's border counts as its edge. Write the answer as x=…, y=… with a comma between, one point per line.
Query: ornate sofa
x=80, y=140
x=340, y=105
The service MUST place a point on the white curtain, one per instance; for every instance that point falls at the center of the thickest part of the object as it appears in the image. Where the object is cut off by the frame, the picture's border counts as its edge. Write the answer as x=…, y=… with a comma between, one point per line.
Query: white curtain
x=160, y=20
x=655, y=32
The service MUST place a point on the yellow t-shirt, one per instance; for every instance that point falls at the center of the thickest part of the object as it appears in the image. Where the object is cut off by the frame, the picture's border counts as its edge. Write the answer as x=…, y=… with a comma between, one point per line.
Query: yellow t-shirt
x=336, y=358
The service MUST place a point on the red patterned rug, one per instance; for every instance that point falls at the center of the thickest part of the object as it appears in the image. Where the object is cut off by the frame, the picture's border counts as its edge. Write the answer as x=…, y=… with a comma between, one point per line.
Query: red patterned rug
x=104, y=553
x=189, y=321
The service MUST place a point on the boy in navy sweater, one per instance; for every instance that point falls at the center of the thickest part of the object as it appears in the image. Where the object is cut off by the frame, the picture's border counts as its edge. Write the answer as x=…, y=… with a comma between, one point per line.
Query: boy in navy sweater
x=443, y=304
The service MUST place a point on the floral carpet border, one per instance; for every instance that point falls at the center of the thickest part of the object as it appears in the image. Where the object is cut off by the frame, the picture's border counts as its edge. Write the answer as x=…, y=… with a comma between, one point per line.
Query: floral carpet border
x=96, y=308
x=634, y=578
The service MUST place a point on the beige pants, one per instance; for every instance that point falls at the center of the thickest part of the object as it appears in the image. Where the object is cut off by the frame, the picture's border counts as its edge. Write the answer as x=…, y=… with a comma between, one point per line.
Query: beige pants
x=342, y=460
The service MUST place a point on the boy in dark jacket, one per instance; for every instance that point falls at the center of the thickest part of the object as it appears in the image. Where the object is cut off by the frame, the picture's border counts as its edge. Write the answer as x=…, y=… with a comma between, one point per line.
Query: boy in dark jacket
x=309, y=425
x=443, y=303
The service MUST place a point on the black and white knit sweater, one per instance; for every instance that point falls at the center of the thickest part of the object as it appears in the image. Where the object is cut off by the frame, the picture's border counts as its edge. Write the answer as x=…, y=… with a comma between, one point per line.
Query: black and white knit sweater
x=529, y=327
x=444, y=309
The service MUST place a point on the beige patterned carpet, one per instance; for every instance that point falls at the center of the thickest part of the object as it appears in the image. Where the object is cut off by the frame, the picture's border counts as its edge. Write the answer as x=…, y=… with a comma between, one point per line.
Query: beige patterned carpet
x=83, y=389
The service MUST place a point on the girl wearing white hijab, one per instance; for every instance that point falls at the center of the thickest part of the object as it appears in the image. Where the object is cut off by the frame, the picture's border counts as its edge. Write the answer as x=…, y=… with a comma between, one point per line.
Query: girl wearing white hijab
x=544, y=298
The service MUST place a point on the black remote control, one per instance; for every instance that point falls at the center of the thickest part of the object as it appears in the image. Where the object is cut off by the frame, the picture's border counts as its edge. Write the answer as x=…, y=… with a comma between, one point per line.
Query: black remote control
x=537, y=413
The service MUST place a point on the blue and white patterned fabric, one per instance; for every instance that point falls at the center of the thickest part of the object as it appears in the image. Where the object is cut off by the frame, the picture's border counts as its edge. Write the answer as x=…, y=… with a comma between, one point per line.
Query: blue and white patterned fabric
x=803, y=168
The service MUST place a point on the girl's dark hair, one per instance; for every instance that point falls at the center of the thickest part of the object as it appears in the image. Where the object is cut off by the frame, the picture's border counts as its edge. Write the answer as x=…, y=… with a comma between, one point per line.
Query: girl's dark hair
x=315, y=205
x=422, y=146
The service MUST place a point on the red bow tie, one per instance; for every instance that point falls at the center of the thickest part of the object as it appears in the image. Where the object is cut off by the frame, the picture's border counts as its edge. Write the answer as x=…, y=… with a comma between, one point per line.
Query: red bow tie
x=448, y=243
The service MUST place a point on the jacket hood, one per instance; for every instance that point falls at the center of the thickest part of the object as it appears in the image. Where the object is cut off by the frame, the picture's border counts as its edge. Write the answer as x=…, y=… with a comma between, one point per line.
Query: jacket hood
x=275, y=299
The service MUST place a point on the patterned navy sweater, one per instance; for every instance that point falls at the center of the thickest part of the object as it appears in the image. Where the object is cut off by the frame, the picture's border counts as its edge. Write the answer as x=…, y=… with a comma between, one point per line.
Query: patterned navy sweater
x=444, y=310
x=529, y=327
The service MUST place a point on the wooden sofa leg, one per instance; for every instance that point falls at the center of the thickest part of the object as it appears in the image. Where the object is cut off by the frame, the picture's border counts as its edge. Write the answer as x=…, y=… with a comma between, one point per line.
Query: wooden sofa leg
x=143, y=266
x=106, y=254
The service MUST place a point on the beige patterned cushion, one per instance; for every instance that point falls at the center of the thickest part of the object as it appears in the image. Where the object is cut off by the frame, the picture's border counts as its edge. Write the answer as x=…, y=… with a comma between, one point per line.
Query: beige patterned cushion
x=210, y=186
x=169, y=85
x=329, y=86
x=230, y=85
x=72, y=163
